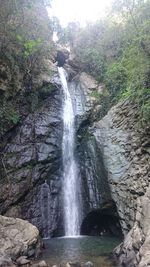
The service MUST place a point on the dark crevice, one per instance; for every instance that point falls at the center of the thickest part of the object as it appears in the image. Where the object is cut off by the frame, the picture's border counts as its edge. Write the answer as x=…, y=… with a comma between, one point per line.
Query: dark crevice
x=100, y=222
x=61, y=58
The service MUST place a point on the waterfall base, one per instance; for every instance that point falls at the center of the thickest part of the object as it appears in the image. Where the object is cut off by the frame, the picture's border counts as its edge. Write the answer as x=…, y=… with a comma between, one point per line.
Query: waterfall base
x=59, y=251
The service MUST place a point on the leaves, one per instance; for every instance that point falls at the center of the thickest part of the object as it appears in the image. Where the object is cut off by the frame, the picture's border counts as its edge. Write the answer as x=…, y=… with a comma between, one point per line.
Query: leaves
x=31, y=46
x=116, y=51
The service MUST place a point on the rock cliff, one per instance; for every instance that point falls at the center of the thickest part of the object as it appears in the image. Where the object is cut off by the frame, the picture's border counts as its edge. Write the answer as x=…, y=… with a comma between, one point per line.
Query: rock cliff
x=31, y=166
x=124, y=144
x=112, y=155
x=32, y=155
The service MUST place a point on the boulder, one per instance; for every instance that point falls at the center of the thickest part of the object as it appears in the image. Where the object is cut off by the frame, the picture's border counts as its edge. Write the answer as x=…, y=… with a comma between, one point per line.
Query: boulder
x=74, y=264
x=22, y=260
x=17, y=237
x=6, y=262
x=74, y=62
x=89, y=82
x=88, y=264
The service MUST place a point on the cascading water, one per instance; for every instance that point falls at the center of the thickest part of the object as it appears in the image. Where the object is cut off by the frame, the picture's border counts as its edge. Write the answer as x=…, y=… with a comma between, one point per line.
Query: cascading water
x=70, y=171
x=45, y=209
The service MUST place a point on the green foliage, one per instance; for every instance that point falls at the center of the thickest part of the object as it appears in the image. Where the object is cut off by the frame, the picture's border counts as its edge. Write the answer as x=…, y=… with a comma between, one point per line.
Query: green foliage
x=116, y=51
x=29, y=47
x=95, y=94
x=145, y=109
x=93, y=63
x=115, y=78
x=9, y=116
x=25, y=39
x=14, y=117
x=25, y=45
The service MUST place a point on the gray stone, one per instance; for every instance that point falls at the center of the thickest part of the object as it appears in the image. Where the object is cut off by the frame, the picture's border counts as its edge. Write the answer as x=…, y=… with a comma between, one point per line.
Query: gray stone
x=16, y=238
x=74, y=264
x=5, y=261
x=88, y=264
x=88, y=81
x=42, y=264
x=22, y=260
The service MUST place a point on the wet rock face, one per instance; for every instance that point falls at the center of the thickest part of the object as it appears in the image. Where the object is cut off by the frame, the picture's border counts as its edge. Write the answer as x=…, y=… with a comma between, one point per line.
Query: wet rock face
x=125, y=148
x=62, y=56
x=31, y=156
x=31, y=167
x=94, y=185
x=95, y=188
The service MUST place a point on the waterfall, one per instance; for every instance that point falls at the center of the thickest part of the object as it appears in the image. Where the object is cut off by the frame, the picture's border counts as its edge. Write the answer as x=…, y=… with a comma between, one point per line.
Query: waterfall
x=70, y=170
x=45, y=209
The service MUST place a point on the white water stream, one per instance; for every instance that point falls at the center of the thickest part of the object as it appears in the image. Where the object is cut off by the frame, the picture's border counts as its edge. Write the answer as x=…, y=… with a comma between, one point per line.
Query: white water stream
x=70, y=173
x=45, y=209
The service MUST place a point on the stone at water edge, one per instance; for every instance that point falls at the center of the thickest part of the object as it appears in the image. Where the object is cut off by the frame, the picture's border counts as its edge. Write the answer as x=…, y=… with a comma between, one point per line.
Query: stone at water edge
x=88, y=264
x=75, y=264
x=80, y=264
x=43, y=264
x=40, y=264
x=6, y=262
x=22, y=260
x=17, y=237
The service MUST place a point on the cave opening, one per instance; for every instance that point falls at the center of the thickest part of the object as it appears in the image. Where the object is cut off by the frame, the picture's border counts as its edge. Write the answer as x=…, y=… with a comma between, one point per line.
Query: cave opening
x=101, y=222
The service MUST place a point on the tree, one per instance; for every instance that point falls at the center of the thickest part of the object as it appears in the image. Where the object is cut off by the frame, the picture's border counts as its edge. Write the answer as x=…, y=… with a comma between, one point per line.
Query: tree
x=130, y=10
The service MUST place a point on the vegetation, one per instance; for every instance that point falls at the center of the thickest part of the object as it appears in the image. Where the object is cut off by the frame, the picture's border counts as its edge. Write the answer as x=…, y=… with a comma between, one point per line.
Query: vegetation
x=25, y=44
x=116, y=51
x=24, y=39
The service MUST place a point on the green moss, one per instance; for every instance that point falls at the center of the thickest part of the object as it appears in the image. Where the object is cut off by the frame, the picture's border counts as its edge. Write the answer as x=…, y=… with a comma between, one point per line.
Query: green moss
x=9, y=116
x=95, y=94
x=45, y=91
x=14, y=117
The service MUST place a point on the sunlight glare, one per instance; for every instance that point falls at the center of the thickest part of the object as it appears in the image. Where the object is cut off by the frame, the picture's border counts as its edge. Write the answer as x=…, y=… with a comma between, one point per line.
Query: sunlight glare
x=78, y=10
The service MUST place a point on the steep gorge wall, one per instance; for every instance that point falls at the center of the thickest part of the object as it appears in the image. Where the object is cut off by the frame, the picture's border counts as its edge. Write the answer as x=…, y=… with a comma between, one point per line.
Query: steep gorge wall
x=124, y=144
x=30, y=113
x=31, y=156
x=115, y=148
x=113, y=160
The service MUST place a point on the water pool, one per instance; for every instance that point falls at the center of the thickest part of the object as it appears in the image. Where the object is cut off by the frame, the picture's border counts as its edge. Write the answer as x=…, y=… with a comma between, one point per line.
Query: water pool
x=80, y=249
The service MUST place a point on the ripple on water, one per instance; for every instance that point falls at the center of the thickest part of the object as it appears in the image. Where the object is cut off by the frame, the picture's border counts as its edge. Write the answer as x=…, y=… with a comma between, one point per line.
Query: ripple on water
x=81, y=249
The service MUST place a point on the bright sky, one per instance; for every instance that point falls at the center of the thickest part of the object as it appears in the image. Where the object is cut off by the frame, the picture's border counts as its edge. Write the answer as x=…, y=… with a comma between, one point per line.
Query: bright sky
x=78, y=10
